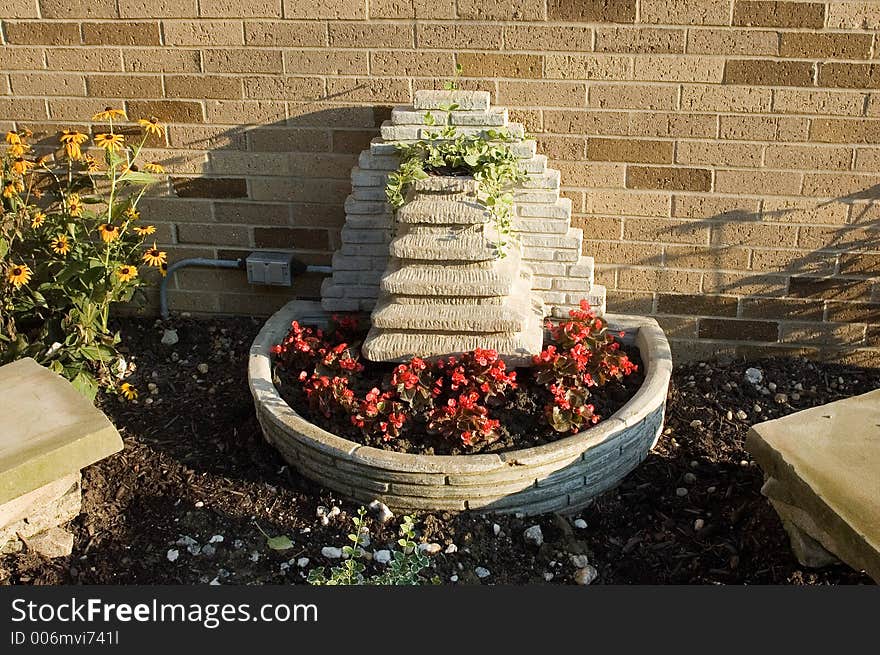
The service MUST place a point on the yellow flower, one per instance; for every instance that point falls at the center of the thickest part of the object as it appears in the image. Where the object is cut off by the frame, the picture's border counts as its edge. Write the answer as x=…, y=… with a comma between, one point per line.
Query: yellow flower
x=154, y=167
x=163, y=268
x=38, y=219
x=127, y=391
x=12, y=138
x=126, y=272
x=91, y=164
x=109, y=141
x=74, y=205
x=132, y=214
x=9, y=190
x=18, y=274
x=72, y=140
x=151, y=126
x=145, y=230
x=108, y=114
x=22, y=165
x=155, y=257
x=108, y=232
x=17, y=150
x=60, y=244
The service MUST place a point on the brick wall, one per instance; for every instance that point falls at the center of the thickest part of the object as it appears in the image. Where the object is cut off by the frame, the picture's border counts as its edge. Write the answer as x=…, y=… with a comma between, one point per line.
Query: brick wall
x=722, y=156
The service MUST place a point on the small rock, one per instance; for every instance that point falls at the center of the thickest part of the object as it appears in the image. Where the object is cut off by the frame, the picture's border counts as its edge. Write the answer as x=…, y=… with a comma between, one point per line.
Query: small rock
x=729, y=415
x=430, y=549
x=215, y=582
x=780, y=399
x=208, y=550
x=216, y=539
x=710, y=490
x=334, y=512
x=331, y=552
x=450, y=549
x=681, y=492
x=580, y=524
x=756, y=408
x=382, y=556
x=303, y=562
x=795, y=396
x=255, y=556
x=199, y=504
x=453, y=578
x=533, y=536
x=548, y=576
x=520, y=515
x=754, y=375
x=496, y=529
x=172, y=555
x=482, y=572
x=202, y=368
x=696, y=423
x=169, y=337
x=364, y=537
x=690, y=478
x=586, y=575
x=741, y=415
x=579, y=561
x=698, y=525
x=771, y=386
x=381, y=510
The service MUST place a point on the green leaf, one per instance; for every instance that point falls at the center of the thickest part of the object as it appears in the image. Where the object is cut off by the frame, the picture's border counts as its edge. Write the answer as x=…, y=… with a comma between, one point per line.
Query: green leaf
x=86, y=385
x=281, y=542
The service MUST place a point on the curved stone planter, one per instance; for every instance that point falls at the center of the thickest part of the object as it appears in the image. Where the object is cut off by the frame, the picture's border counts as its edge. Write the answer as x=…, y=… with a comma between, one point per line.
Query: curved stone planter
x=561, y=476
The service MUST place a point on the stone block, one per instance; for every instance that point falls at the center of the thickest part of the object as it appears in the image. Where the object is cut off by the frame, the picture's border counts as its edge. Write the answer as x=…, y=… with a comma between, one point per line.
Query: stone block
x=510, y=315
x=496, y=279
x=429, y=243
x=443, y=212
x=466, y=100
x=495, y=117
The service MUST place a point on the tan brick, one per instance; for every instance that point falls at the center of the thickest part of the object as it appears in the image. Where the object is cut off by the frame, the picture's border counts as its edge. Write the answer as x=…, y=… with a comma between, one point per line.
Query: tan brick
x=619, y=96
x=430, y=9
x=685, y=12
x=641, y=39
x=867, y=159
x=476, y=37
x=745, y=233
x=616, y=252
x=718, y=154
x=754, y=182
x=835, y=103
x=491, y=65
x=23, y=58
x=841, y=130
x=629, y=302
x=231, y=163
x=283, y=88
x=275, y=189
x=705, y=97
x=400, y=63
x=666, y=231
x=732, y=42
x=795, y=261
x=326, y=62
x=658, y=279
x=673, y=125
x=538, y=94
x=502, y=9
x=41, y=33
x=852, y=239
x=48, y=84
x=562, y=147
x=85, y=59
x=247, y=212
x=206, y=138
x=365, y=35
x=591, y=175
x=750, y=128
x=751, y=284
x=807, y=157
x=807, y=310
x=161, y=60
x=214, y=234
x=585, y=122
x=125, y=86
x=630, y=150
x=628, y=203
x=828, y=185
x=531, y=119
x=768, y=73
x=792, y=129
x=677, y=327
x=668, y=179
x=845, y=334
x=854, y=15
x=19, y=9
x=809, y=211
x=272, y=237
x=288, y=140
x=294, y=34
x=121, y=33
x=567, y=38
x=369, y=89
x=323, y=115
x=709, y=258
x=854, y=312
x=327, y=9
x=204, y=32
x=812, y=45
x=769, y=13
x=250, y=112
x=669, y=68
x=829, y=288
x=715, y=206
x=337, y=166
x=27, y=109
x=351, y=141
x=592, y=11
x=168, y=111
x=250, y=60
x=78, y=9
x=75, y=110
x=738, y=330
x=696, y=305
x=587, y=67
x=158, y=8
x=237, y=9
x=849, y=75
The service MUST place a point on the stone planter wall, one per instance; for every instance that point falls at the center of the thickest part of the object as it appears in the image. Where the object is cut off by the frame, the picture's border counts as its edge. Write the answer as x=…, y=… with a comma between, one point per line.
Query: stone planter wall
x=561, y=476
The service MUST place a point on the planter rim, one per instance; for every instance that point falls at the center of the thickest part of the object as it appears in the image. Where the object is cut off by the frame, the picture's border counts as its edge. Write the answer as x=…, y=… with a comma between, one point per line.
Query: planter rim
x=644, y=332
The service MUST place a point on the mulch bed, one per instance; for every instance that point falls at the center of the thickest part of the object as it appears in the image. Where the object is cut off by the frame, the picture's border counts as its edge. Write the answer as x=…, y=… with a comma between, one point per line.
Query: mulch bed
x=195, y=466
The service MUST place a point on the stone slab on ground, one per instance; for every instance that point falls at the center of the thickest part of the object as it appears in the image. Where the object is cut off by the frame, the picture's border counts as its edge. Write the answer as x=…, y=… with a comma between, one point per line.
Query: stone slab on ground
x=24, y=519
x=822, y=468
x=48, y=430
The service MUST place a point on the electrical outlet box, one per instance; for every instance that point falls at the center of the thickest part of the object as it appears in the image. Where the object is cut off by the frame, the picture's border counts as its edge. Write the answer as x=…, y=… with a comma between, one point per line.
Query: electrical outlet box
x=273, y=268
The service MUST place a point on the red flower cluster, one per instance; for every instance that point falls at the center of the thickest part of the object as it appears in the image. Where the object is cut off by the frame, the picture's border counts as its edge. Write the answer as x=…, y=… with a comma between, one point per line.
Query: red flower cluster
x=479, y=371
x=379, y=414
x=464, y=418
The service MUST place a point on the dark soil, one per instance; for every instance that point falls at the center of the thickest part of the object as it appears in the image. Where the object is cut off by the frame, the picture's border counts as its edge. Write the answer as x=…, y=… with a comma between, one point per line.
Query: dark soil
x=449, y=171
x=195, y=466
x=523, y=423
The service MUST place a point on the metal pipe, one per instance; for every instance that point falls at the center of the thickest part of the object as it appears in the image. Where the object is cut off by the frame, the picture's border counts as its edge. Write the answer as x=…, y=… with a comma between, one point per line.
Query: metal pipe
x=214, y=263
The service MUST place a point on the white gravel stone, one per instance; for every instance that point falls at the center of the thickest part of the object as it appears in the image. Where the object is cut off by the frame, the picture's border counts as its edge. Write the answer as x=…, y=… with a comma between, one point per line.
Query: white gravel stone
x=382, y=556
x=580, y=524
x=216, y=539
x=699, y=524
x=681, y=492
x=533, y=536
x=579, y=561
x=173, y=554
x=754, y=375
x=169, y=337
x=331, y=552
x=453, y=578
x=202, y=368
x=548, y=576
x=450, y=549
x=303, y=562
x=482, y=572
x=381, y=510
x=696, y=423
x=496, y=529
x=430, y=549
x=741, y=415
x=690, y=478
x=586, y=575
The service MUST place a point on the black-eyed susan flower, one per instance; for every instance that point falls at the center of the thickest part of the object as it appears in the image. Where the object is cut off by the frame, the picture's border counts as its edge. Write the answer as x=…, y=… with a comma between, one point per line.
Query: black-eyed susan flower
x=12, y=138
x=18, y=274
x=9, y=190
x=109, y=142
x=91, y=164
x=17, y=150
x=155, y=257
x=154, y=167
x=72, y=140
x=163, y=268
x=145, y=230
x=131, y=213
x=60, y=244
x=151, y=125
x=38, y=219
x=108, y=232
x=21, y=165
x=127, y=391
x=75, y=205
x=126, y=272
x=108, y=114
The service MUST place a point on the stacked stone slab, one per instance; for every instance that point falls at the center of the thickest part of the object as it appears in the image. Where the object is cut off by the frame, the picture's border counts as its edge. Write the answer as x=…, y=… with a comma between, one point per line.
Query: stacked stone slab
x=449, y=286
x=562, y=276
